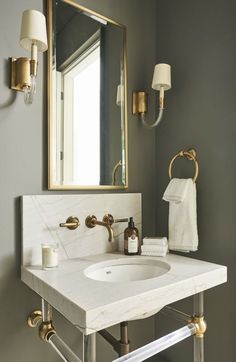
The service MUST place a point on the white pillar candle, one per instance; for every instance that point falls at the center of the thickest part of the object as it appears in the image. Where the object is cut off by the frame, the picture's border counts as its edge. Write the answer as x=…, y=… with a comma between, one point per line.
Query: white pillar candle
x=49, y=255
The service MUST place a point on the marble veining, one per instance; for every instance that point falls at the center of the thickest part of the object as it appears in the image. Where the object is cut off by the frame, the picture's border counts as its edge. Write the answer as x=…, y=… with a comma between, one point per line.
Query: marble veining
x=92, y=305
x=42, y=214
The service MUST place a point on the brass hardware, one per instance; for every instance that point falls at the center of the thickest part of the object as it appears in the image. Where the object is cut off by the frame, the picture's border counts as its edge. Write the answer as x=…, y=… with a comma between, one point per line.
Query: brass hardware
x=33, y=67
x=125, y=219
x=108, y=219
x=200, y=325
x=20, y=73
x=46, y=330
x=161, y=103
x=140, y=102
x=34, y=318
x=71, y=223
x=190, y=155
x=91, y=221
x=192, y=152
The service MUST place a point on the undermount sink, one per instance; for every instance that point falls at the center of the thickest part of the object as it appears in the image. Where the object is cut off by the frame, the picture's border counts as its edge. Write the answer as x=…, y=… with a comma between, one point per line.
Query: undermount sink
x=126, y=270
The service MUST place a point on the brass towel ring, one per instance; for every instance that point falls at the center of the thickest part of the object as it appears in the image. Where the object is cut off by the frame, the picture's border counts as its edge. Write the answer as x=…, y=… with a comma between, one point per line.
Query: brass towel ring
x=191, y=155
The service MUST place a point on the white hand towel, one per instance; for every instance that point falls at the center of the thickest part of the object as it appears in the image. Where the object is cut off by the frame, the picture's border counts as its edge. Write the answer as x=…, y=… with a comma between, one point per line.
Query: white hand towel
x=155, y=253
x=176, y=190
x=183, y=234
x=154, y=248
x=155, y=241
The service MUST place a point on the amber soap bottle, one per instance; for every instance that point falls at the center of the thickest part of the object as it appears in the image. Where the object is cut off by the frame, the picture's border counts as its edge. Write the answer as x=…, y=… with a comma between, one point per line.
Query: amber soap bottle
x=131, y=239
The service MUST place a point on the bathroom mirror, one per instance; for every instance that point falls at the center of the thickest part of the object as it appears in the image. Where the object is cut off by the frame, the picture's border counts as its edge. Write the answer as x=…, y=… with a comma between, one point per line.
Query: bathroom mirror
x=87, y=99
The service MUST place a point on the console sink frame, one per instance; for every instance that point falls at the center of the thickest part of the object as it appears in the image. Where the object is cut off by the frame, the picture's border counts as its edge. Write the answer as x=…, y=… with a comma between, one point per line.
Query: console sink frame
x=118, y=302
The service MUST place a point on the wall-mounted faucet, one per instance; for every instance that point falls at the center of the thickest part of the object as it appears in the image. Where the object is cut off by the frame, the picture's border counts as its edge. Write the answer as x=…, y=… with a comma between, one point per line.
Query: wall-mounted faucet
x=91, y=221
x=107, y=221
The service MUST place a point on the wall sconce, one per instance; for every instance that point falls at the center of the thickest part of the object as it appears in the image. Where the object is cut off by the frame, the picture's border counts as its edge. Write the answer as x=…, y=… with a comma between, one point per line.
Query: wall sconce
x=161, y=82
x=33, y=38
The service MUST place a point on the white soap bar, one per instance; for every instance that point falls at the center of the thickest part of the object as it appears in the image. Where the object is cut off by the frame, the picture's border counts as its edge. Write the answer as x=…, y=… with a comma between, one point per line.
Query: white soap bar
x=49, y=256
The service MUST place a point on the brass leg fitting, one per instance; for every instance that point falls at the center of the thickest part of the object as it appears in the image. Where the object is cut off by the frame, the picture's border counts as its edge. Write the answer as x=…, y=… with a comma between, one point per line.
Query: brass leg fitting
x=123, y=349
x=124, y=344
x=46, y=330
x=34, y=318
x=200, y=325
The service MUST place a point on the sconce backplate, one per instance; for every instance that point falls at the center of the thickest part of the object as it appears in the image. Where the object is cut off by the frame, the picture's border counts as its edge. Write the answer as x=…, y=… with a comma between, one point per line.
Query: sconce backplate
x=20, y=73
x=140, y=102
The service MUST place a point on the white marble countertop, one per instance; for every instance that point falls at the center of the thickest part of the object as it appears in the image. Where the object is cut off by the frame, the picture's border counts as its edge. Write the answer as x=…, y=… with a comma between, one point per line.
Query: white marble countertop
x=93, y=305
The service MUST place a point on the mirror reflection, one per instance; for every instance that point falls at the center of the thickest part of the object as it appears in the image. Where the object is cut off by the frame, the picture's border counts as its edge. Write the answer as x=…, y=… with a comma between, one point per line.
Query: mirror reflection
x=87, y=99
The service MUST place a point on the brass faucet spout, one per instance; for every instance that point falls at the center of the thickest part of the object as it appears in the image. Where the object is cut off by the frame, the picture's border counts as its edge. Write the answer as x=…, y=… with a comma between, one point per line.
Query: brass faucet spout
x=91, y=222
x=108, y=227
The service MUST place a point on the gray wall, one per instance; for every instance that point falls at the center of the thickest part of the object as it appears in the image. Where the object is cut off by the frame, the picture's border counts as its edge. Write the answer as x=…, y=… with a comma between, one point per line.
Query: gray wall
x=23, y=160
x=198, y=39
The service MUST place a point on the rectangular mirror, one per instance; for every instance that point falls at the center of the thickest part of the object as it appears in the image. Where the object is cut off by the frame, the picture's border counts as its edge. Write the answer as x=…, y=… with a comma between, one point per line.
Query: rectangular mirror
x=87, y=99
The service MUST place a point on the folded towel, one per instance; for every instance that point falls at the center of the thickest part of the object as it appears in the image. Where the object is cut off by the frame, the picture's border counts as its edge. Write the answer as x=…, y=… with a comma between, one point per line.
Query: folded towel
x=155, y=253
x=183, y=234
x=154, y=248
x=155, y=241
x=176, y=190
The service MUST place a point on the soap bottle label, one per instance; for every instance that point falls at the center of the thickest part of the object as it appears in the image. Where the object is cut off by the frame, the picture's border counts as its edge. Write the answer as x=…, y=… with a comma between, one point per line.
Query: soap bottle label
x=133, y=244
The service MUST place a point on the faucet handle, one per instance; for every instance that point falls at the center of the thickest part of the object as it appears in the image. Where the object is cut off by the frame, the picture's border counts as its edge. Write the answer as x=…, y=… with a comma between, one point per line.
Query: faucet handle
x=72, y=222
x=90, y=221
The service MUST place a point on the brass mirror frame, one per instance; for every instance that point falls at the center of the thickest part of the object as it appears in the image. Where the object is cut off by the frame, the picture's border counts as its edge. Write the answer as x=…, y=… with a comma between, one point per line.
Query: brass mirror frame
x=51, y=184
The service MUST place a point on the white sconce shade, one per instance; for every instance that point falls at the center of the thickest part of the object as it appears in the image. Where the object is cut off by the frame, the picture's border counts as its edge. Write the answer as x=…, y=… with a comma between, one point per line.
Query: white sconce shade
x=33, y=38
x=162, y=77
x=33, y=30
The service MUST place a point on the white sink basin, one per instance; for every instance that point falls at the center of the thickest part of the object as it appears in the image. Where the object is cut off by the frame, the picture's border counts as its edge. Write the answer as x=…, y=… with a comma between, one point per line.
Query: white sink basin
x=126, y=270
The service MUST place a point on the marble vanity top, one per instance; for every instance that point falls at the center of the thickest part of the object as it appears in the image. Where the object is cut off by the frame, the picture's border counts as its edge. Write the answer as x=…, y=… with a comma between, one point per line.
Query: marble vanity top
x=92, y=305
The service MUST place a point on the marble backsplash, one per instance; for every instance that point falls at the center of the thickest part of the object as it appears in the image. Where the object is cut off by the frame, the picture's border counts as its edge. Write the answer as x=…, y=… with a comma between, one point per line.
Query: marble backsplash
x=42, y=214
